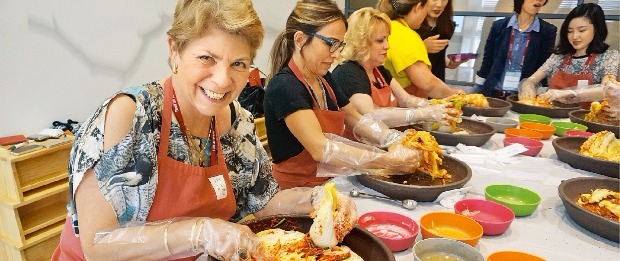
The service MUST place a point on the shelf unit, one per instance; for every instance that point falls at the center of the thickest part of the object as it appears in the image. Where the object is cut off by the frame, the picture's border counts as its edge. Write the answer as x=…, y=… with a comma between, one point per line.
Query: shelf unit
x=34, y=192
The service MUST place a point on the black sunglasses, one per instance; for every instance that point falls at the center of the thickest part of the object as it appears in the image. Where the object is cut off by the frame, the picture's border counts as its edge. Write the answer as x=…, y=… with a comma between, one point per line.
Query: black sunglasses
x=334, y=44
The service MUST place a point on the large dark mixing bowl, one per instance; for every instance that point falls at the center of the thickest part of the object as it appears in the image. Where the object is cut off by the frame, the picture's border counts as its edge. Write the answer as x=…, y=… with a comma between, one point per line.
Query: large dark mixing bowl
x=479, y=133
x=567, y=149
x=560, y=110
x=497, y=108
x=579, y=117
x=569, y=191
x=359, y=240
x=393, y=186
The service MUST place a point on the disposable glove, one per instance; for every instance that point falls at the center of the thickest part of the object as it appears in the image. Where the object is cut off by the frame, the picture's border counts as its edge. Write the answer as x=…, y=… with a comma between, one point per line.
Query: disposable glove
x=612, y=96
x=345, y=157
x=411, y=101
x=396, y=117
x=182, y=237
x=527, y=90
x=374, y=132
x=588, y=94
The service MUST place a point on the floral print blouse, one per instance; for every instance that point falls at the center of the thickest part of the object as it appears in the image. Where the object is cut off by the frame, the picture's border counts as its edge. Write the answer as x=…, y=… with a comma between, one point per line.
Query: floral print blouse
x=604, y=64
x=127, y=172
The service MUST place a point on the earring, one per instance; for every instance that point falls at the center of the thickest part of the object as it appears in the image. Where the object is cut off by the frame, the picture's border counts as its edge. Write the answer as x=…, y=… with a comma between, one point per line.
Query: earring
x=175, y=68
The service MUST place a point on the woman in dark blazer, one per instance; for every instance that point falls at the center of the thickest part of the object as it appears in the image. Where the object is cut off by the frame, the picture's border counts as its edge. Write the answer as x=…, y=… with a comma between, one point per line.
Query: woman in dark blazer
x=524, y=38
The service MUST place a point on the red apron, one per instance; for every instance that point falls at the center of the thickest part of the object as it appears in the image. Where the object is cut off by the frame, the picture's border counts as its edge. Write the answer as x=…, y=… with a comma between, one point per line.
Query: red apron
x=183, y=190
x=382, y=97
x=563, y=80
x=300, y=170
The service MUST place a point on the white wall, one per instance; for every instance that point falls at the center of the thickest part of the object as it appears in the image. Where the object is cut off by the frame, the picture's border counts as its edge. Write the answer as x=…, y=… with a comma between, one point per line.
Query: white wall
x=59, y=59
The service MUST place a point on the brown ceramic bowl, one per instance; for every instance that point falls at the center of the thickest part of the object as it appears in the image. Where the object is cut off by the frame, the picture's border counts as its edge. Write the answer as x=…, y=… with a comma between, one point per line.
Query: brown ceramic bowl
x=567, y=149
x=479, y=133
x=569, y=191
x=497, y=108
x=362, y=242
x=421, y=190
x=579, y=117
x=560, y=110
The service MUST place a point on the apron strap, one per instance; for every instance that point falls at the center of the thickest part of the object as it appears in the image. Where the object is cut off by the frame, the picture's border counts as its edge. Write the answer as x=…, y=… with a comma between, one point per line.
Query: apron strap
x=300, y=77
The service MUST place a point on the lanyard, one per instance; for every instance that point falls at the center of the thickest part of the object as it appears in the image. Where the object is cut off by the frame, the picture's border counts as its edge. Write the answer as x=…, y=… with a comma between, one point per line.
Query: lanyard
x=512, y=40
x=179, y=116
x=381, y=82
x=316, y=99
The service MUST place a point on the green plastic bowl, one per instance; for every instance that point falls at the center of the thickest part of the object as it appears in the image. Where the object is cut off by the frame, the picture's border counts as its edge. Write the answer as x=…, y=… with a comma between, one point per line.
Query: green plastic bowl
x=520, y=200
x=534, y=118
x=561, y=127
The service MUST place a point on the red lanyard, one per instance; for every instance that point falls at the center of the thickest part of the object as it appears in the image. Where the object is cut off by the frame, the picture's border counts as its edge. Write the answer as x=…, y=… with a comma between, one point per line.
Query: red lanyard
x=512, y=40
x=179, y=116
x=379, y=78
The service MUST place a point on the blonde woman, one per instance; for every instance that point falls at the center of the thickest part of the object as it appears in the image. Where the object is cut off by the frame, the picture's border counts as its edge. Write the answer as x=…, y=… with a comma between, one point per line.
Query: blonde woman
x=369, y=85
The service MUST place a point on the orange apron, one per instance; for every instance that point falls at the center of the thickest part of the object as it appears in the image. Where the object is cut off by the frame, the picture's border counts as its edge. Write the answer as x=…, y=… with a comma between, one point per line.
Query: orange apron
x=382, y=97
x=300, y=170
x=183, y=190
x=563, y=80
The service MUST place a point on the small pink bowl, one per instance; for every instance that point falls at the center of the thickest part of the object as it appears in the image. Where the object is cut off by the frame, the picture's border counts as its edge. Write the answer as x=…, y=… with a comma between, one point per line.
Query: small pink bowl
x=494, y=218
x=579, y=133
x=533, y=146
x=397, y=231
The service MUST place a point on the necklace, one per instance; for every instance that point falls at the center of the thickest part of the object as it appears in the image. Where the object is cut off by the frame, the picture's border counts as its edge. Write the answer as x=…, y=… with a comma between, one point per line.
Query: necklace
x=199, y=146
x=314, y=94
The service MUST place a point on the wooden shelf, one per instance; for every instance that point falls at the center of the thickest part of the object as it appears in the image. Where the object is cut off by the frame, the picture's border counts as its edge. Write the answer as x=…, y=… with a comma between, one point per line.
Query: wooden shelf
x=56, y=176
x=49, y=215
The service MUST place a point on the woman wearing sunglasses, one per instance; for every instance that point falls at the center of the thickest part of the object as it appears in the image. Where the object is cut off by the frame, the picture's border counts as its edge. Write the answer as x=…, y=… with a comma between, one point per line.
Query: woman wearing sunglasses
x=370, y=86
x=305, y=113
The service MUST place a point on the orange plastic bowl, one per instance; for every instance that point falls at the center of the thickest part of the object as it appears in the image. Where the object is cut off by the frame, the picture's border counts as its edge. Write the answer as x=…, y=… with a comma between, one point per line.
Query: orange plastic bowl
x=544, y=129
x=513, y=256
x=452, y=226
x=512, y=132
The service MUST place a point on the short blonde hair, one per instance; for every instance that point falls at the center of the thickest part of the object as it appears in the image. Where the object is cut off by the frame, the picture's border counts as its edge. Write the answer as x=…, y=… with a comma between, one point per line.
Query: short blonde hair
x=195, y=18
x=362, y=24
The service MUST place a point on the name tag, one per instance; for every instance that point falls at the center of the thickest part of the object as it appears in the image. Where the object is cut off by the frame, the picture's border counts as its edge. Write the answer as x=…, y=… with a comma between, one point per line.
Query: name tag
x=582, y=84
x=219, y=186
x=511, y=80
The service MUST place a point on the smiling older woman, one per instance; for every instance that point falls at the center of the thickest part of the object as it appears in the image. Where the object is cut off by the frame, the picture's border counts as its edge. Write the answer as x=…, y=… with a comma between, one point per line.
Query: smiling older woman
x=159, y=171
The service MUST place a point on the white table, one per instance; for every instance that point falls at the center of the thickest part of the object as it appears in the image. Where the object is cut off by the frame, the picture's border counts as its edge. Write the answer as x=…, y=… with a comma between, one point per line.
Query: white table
x=548, y=232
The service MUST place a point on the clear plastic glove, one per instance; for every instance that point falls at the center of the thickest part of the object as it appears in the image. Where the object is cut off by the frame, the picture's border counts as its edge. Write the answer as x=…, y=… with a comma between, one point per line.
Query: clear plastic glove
x=442, y=113
x=560, y=95
x=612, y=110
x=415, y=102
x=226, y=241
x=346, y=211
x=527, y=90
x=373, y=131
x=183, y=237
x=345, y=157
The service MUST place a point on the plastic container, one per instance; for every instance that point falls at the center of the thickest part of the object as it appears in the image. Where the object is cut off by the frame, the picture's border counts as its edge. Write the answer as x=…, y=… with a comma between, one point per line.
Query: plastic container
x=544, y=129
x=522, y=201
x=533, y=146
x=512, y=132
x=534, y=118
x=561, y=127
x=500, y=123
x=451, y=225
x=398, y=232
x=494, y=218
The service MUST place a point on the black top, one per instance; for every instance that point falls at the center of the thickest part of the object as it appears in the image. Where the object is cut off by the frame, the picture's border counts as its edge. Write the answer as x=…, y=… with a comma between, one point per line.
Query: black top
x=438, y=60
x=284, y=95
x=351, y=77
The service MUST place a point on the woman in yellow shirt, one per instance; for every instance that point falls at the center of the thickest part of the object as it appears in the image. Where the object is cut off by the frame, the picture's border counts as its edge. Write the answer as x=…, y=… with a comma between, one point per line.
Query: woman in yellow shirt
x=407, y=58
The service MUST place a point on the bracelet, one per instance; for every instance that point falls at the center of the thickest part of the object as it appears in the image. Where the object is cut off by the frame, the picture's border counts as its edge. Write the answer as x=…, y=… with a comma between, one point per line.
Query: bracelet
x=166, y=239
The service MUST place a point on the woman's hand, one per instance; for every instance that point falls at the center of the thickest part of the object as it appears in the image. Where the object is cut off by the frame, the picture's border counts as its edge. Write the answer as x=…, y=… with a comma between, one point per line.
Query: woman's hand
x=442, y=113
x=565, y=96
x=434, y=45
x=401, y=159
x=346, y=216
x=527, y=91
x=453, y=63
x=225, y=240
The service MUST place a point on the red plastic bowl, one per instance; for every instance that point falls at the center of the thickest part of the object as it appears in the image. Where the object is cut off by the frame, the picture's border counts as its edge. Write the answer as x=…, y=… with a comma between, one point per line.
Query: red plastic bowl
x=578, y=133
x=494, y=218
x=398, y=232
x=533, y=146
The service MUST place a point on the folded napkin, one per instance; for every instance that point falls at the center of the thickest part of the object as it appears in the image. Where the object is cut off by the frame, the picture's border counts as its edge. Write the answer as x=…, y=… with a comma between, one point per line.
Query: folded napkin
x=448, y=198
